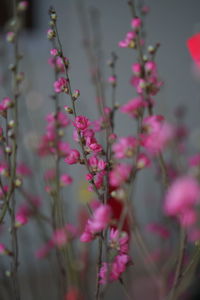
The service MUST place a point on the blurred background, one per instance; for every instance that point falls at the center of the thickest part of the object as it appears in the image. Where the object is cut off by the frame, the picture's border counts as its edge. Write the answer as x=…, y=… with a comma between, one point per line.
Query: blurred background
x=169, y=23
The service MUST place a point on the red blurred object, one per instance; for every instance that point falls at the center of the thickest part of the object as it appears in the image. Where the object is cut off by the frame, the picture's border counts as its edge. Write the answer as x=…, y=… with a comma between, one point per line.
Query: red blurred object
x=193, y=44
x=117, y=209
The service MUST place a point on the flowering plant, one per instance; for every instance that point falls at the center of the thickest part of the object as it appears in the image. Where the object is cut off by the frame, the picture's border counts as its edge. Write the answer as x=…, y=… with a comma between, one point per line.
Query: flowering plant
x=111, y=164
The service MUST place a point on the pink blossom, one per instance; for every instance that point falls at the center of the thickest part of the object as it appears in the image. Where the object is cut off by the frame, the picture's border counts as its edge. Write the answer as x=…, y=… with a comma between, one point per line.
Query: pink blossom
x=125, y=147
x=101, y=218
x=21, y=219
x=57, y=63
x=158, y=134
x=127, y=42
x=2, y=249
x=54, y=52
x=5, y=104
x=119, y=174
x=150, y=67
x=143, y=161
x=137, y=69
x=63, y=148
x=134, y=107
x=112, y=79
x=119, y=241
x=81, y=122
x=136, y=23
x=65, y=179
x=60, y=237
x=73, y=157
x=115, y=269
x=61, y=85
x=88, y=176
x=188, y=217
x=98, y=222
x=182, y=195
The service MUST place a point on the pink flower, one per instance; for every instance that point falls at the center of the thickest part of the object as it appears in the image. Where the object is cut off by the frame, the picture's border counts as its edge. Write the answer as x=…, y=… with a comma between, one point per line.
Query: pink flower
x=125, y=147
x=54, y=52
x=188, y=217
x=60, y=237
x=112, y=79
x=4, y=250
x=150, y=67
x=136, y=23
x=81, y=122
x=5, y=104
x=61, y=85
x=137, y=69
x=72, y=157
x=115, y=269
x=143, y=161
x=119, y=174
x=134, y=107
x=100, y=219
x=128, y=41
x=98, y=222
x=158, y=134
x=65, y=179
x=119, y=241
x=182, y=195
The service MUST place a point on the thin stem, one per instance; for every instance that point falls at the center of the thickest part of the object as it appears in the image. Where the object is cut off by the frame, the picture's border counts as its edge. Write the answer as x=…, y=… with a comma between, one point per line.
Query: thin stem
x=180, y=262
x=97, y=293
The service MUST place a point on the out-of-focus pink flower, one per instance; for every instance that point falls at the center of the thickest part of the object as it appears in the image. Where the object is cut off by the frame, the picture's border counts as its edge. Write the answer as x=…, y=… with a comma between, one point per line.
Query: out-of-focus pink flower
x=157, y=134
x=5, y=104
x=112, y=80
x=54, y=52
x=73, y=157
x=115, y=269
x=137, y=69
x=128, y=41
x=182, y=195
x=60, y=237
x=134, y=107
x=98, y=222
x=65, y=179
x=143, y=161
x=125, y=147
x=188, y=217
x=136, y=23
x=119, y=174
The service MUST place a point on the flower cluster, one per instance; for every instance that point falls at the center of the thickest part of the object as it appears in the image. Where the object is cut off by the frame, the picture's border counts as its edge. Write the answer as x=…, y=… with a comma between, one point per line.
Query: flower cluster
x=118, y=244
